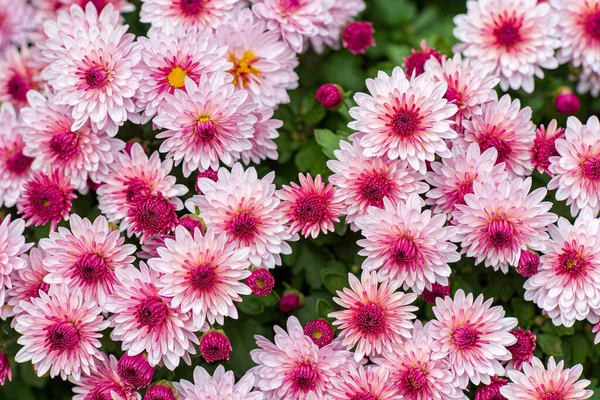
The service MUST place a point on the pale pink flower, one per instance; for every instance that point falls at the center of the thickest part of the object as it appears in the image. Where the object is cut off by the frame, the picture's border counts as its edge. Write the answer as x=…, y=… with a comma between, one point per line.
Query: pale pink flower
x=103, y=383
x=499, y=220
x=60, y=333
x=544, y=146
x=18, y=23
x=202, y=274
x=19, y=73
x=221, y=385
x=375, y=317
x=201, y=14
x=86, y=256
x=596, y=330
x=406, y=119
x=119, y=5
x=145, y=322
x=577, y=167
x=26, y=283
x=452, y=178
x=589, y=81
x=360, y=382
x=473, y=334
x=508, y=128
x=342, y=13
x=295, y=368
x=515, y=38
x=263, y=65
x=247, y=210
x=407, y=245
x=366, y=181
x=553, y=383
x=265, y=130
x=12, y=246
x=207, y=123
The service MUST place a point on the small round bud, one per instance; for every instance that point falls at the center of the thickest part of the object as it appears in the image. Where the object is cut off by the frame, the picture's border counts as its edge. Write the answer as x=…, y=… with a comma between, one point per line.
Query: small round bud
x=215, y=346
x=261, y=282
x=529, y=264
x=567, y=102
x=291, y=301
x=522, y=351
x=135, y=371
x=320, y=331
x=415, y=62
x=191, y=222
x=330, y=95
x=358, y=37
x=161, y=390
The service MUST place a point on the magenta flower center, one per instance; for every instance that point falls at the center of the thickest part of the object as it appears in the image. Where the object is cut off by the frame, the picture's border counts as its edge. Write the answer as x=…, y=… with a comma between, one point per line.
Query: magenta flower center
x=500, y=145
x=305, y=377
x=151, y=312
x=136, y=190
x=592, y=25
x=103, y=392
x=159, y=392
x=370, y=319
x=192, y=7
x=62, y=336
x=405, y=123
x=205, y=131
x=290, y=5
x=551, y=396
x=572, y=262
x=203, y=278
x=95, y=77
x=48, y=201
x=17, y=87
x=413, y=380
x=99, y=4
x=363, y=396
x=243, y=226
x=451, y=95
x=155, y=215
x=310, y=209
x=404, y=252
x=465, y=337
x=500, y=233
x=543, y=152
x=18, y=163
x=91, y=268
x=507, y=34
x=591, y=168
x=64, y=144
x=374, y=189
x=35, y=291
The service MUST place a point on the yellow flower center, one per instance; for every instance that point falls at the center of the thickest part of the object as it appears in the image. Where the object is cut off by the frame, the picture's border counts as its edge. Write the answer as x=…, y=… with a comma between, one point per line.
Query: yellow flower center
x=317, y=334
x=203, y=118
x=243, y=68
x=176, y=78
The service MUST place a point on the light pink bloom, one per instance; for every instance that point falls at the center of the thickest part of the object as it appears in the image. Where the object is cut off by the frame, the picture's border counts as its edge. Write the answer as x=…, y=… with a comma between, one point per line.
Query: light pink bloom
x=103, y=383
x=544, y=146
x=516, y=38
x=247, y=210
x=360, y=382
x=60, y=333
x=406, y=119
x=452, y=178
x=499, y=220
x=293, y=367
x=18, y=23
x=265, y=130
x=407, y=245
x=508, y=128
x=26, y=283
x=553, y=383
x=145, y=322
x=12, y=246
x=202, y=274
x=342, y=13
x=201, y=14
x=219, y=386
x=375, y=317
x=366, y=181
x=207, y=123
x=596, y=330
x=577, y=167
x=119, y=5
x=473, y=334
x=589, y=81
x=86, y=256
x=19, y=73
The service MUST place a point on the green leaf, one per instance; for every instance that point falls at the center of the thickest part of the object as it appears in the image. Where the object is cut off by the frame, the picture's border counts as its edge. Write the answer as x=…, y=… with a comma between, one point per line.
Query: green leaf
x=311, y=262
x=551, y=345
x=28, y=375
x=335, y=281
x=311, y=159
x=255, y=305
x=580, y=348
x=328, y=141
x=394, y=12
x=324, y=308
x=524, y=311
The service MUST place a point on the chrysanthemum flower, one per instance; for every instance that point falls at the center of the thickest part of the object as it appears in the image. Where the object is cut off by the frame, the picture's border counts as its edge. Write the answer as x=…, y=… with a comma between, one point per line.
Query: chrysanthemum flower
x=135, y=370
x=168, y=56
x=162, y=390
x=151, y=215
x=86, y=256
x=215, y=346
x=265, y=130
x=366, y=181
x=452, y=178
x=416, y=372
x=18, y=23
x=46, y=199
x=529, y=264
x=404, y=119
x=5, y=370
x=261, y=282
x=342, y=12
x=19, y=73
x=247, y=210
x=293, y=367
x=522, y=351
x=219, y=386
x=516, y=38
x=12, y=246
x=374, y=318
x=491, y=391
x=589, y=81
x=567, y=286
x=577, y=167
x=473, y=334
x=415, y=62
x=202, y=274
x=554, y=383
x=26, y=282
x=145, y=322
x=437, y=290
x=360, y=382
x=499, y=220
x=103, y=383
x=201, y=14
x=544, y=146
x=358, y=37
x=319, y=331
x=207, y=123
x=121, y=6
x=60, y=333
x=96, y=74
x=405, y=244
x=506, y=127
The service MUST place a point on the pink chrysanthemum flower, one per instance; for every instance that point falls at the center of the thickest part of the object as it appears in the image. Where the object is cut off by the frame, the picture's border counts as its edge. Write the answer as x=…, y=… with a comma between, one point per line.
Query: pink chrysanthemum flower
x=311, y=207
x=596, y=330
x=263, y=65
x=567, y=285
x=363, y=383
x=5, y=370
x=215, y=346
x=247, y=210
x=261, y=282
x=522, y=351
x=375, y=317
x=46, y=199
x=78, y=153
x=415, y=62
x=491, y=391
x=529, y=264
x=202, y=274
x=265, y=130
x=15, y=167
x=121, y=6
x=18, y=23
x=589, y=81
x=319, y=331
x=293, y=367
x=452, y=178
x=207, y=123
x=26, y=283
x=219, y=386
x=168, y=56
x=103, y=383
x=406, y=119
x=86, y=256
x=145, y=322
x=437, y=290
x=470, y=83
x=506, y=127
x=515, y=38
x=407, y=245
x=473, y=334
x=342, y=12
x=358, y=36
x=19, y=73
x=161, y=390
x=554, y=383
x=544, y=146
x=96, y=74
x=499, y=220
x=577, y=167
x=366, y=181
x=297, y=20
x=134, y=176
x=417, y=373
x=201, y=14
x=12, y=245
x=151, y=215
x=135, y=370
x=60, y=333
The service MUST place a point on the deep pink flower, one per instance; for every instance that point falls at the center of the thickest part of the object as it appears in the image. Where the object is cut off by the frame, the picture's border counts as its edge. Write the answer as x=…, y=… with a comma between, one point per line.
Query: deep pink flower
x=358, y=37
x=529, y=264
x=522, y=351
x=291, y=300
x=415, y=62
x=491, y=391
x=135, y=370
x=191, y=222
x=544, y=146
x=215, y=346
x=103, y=383
x=320, y=332
x=330, y=95
x=261, y=282
x=161, y=390
x=5, y=371
x=567, y=102
x=19, y=73
x=152, y=215
x=208, y=173
x=436, y=291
